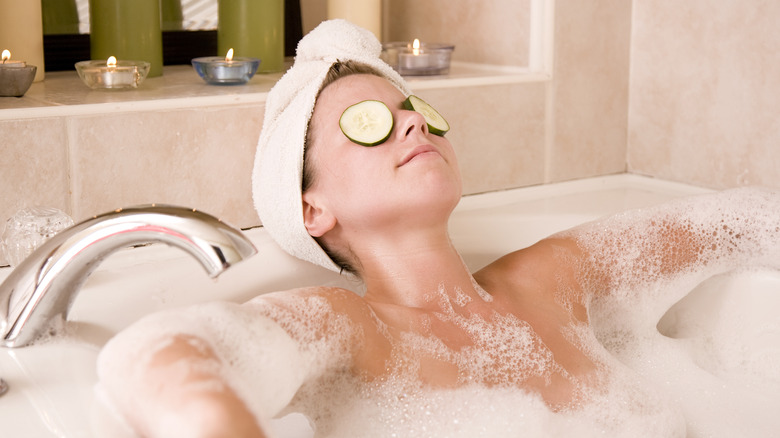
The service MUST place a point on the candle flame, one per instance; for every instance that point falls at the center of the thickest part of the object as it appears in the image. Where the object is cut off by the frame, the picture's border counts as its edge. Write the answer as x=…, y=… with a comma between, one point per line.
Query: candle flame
x=229, y=56
x=111, y=62
x=416, y=47
x=6, y=55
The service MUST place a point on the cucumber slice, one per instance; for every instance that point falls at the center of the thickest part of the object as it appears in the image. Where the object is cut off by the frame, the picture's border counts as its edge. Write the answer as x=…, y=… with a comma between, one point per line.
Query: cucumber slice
x=436, y=123
x=367, y=123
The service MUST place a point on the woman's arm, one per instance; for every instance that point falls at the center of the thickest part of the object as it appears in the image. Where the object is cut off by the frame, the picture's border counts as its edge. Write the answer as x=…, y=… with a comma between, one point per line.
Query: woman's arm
x=210, y=371
x=181, y=392
x=705, y=234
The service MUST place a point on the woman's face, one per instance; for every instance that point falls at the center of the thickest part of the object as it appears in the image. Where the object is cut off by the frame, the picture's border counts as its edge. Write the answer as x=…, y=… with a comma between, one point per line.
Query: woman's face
x=413, y=176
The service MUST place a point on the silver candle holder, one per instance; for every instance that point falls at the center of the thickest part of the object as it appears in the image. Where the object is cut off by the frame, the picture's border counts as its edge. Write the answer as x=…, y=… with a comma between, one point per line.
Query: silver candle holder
x=15, y=76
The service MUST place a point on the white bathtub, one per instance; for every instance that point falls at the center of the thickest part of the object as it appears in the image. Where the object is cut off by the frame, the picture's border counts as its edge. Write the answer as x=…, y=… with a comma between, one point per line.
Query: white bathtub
x=51, y=385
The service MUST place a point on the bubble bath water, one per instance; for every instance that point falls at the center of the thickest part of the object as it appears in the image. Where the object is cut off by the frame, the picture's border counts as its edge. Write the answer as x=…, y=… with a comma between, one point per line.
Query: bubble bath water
x=652, y=384
x=400, y=406
x=654, y=378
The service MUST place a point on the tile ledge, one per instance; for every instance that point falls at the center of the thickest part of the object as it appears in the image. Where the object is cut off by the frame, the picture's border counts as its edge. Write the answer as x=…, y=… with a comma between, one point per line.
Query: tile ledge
x=168, y=94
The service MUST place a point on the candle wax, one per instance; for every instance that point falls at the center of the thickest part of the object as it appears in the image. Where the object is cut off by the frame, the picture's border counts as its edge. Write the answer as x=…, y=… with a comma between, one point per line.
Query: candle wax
x=21, y=32
x=112, y=79
x=410, y=61
x=13, y=64
x=255, y=29
x=365, y=13
x=127, y=30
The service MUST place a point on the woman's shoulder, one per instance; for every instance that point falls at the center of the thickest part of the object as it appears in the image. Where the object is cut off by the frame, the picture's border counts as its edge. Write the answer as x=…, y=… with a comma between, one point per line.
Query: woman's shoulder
x=547, y=257
x=336, y=299
x=316, y=305
x=545, y=272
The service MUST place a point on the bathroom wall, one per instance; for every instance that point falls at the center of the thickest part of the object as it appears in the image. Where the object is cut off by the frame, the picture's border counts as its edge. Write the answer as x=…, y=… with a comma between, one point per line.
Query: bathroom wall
x=588, y=95
x=704, y=88
x=506, y=134
x=489, y=32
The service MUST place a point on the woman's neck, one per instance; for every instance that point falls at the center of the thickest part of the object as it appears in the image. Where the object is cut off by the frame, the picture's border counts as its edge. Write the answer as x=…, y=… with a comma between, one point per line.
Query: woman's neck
x=410, y=270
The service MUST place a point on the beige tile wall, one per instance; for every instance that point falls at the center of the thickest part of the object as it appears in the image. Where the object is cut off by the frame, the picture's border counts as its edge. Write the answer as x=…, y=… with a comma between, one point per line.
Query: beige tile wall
x=192, y=157
x=33, y=166
x=489, y=32
x=589, y=91
x=705, y=81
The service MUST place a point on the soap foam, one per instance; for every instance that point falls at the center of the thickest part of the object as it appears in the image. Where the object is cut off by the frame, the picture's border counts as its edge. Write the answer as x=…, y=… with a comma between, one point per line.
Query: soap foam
x=487, y=402
x=648, y=384
x=725, y=385
x=399, y=406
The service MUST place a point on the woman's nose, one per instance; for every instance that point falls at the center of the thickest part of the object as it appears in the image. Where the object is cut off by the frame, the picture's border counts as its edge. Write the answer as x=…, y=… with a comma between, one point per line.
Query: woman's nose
x=410, y=122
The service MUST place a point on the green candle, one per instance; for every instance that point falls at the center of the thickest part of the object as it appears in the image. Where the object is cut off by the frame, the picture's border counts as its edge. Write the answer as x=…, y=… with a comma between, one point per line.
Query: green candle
x=171, y=13
x=253, y=28
x=127, y=29
x=60, y=17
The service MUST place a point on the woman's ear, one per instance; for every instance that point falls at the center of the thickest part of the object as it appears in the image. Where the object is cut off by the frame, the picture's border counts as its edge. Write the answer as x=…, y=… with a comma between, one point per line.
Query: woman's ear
x=316, y=218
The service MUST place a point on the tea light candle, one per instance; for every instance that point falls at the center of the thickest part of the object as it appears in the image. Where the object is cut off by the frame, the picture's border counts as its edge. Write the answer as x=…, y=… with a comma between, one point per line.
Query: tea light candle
x=414, y=60
x=226, y=71
x=112, y=74
x=418, y=59
x=10, y=63
x=15, y=76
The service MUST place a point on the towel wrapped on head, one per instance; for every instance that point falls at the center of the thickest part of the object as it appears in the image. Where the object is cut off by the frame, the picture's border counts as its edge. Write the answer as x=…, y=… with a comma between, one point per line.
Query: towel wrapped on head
x=278, y=169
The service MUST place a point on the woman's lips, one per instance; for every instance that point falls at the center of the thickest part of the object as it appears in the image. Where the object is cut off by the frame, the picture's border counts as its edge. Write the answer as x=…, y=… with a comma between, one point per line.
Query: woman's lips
x=419, y=150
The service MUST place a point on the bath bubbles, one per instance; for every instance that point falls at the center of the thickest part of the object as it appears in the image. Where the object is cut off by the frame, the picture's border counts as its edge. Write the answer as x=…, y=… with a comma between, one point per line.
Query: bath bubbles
x=715, y=356
x=646, y=384
x=488, y=398
x=694, y=378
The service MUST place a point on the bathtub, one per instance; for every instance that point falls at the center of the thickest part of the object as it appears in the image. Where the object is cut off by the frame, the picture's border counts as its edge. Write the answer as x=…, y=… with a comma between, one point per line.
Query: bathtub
x=51, y=384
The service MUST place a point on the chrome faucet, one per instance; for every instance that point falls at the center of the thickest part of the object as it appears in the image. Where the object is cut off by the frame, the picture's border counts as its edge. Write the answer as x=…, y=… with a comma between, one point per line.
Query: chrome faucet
x=45, y=284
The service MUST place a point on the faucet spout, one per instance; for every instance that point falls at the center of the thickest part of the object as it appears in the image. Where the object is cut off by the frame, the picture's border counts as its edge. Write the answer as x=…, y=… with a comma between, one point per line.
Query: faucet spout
x=45, y=284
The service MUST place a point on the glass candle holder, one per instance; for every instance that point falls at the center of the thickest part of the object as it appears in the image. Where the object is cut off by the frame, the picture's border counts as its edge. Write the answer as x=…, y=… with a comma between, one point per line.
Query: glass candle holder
x=220, y=71
x=412, y=59
x=121, y=75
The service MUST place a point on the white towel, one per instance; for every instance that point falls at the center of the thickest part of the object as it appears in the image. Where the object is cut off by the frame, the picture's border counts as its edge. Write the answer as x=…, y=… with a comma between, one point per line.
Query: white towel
x=278, y=171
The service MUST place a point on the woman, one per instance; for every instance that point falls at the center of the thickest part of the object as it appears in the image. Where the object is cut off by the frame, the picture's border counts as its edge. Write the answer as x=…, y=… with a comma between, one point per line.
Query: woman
x=426, y=331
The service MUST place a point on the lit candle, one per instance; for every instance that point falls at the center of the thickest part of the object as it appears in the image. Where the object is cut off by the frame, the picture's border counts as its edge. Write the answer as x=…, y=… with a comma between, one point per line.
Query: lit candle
x=113, y=77
x=112, y=74
x=15, y=76
x=226, y=71
x=229, y=71
x=9, y=63
x=416, y=60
